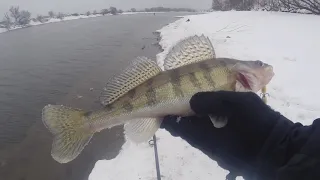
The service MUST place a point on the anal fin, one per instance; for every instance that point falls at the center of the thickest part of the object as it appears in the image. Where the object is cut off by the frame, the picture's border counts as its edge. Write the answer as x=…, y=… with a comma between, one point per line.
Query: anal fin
x=140, y=130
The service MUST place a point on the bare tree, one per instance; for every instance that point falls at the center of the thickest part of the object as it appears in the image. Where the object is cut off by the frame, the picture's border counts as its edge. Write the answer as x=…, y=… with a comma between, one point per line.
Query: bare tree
x=113, y=10
x=51, y=14
x=104, y=11
x=312, y=6
x=216, y=5
x=244, y=5
x=270, y=5
x=7, y=21
x=223, y=5
x=60, y=16
x=226, y=5
x=21, y=18
x=88, y=13
x=40, y=18
x=14, y=12
x=95, y=12
x=24, y=18
x=133, y=9
x=261, y=3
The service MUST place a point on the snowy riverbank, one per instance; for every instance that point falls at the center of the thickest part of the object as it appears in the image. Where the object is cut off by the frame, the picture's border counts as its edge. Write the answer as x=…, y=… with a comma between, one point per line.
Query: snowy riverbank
x=289, y=42
x=68, y=18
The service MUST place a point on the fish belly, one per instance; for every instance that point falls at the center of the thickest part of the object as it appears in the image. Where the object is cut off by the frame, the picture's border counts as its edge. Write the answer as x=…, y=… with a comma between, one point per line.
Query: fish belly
x=177, y=107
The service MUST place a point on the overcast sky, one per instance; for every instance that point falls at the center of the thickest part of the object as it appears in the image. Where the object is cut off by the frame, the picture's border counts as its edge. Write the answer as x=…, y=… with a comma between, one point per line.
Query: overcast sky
x=70, y=6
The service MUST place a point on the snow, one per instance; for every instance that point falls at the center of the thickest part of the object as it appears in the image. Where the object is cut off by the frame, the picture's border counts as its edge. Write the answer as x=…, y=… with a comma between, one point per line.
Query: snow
x=2, y=30
x=177, y=161
x=289, y=42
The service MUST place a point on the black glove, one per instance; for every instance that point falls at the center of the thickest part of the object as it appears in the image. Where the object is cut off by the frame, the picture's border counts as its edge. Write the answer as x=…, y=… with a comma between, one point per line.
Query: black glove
x=235, y=147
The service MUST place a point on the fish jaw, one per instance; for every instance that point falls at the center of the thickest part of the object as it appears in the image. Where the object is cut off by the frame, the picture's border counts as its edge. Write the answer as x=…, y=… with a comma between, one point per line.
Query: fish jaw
x=252, y=75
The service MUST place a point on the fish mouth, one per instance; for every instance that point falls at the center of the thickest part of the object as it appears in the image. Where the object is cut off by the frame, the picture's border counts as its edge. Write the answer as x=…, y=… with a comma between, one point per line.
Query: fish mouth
x=269, y=74
x=252, y=76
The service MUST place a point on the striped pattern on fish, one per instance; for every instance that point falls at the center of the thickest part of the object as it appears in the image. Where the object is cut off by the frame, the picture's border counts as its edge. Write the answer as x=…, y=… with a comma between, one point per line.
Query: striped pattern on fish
x=167, y=89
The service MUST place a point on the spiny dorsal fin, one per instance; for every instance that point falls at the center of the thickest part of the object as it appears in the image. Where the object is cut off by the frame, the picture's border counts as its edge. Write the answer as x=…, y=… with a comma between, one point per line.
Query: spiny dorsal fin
x=189, y=50
x=140, y=70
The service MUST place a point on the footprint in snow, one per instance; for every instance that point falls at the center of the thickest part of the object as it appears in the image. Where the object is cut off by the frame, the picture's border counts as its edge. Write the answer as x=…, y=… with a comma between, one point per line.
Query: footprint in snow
x=289, y=59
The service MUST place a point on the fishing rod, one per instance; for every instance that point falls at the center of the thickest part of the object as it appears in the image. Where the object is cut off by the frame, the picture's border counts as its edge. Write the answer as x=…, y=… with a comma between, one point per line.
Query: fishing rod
x=264, y=94
x=153, y=143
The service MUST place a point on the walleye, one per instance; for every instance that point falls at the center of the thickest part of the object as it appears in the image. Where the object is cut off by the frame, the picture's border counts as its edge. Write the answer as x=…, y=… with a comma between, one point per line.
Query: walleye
x=143, y=94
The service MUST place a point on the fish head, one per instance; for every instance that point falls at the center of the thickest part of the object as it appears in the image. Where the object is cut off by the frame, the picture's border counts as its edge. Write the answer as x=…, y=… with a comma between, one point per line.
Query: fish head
x=252, y=75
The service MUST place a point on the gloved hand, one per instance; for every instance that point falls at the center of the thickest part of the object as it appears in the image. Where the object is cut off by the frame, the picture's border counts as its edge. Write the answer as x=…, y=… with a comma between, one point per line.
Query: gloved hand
x=235, y=147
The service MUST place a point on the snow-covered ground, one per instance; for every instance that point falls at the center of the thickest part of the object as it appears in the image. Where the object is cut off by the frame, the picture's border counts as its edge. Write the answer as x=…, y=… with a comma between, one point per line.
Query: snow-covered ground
x=2, y=30
x=68, y=18
x=289, y=42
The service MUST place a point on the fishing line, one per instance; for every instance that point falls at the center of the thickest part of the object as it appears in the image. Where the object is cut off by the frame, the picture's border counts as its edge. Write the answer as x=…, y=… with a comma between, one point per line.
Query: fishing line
x=153, y=143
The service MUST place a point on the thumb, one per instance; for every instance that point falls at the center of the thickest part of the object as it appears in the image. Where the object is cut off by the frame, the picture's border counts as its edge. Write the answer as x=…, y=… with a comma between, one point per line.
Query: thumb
x=203, y=103
x=218, y=103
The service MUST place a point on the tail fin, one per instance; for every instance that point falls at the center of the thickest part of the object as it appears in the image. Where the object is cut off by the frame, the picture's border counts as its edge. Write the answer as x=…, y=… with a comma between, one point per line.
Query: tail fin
x=67, y=126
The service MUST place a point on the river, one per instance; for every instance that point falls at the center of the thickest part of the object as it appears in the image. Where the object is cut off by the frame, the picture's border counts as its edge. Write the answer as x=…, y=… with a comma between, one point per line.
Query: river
x=64, y=63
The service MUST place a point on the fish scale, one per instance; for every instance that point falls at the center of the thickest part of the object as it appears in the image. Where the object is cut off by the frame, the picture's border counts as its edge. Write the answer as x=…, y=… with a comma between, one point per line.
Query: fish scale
x=143, y=94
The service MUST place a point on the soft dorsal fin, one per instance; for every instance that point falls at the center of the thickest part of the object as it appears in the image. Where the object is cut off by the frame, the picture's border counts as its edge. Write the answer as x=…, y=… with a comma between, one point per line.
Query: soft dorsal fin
x=140, y=70
x=190, y=50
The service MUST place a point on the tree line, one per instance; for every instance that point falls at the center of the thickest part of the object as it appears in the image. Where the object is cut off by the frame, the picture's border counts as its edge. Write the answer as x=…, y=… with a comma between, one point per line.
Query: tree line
x=294, y=6
x=22, y=18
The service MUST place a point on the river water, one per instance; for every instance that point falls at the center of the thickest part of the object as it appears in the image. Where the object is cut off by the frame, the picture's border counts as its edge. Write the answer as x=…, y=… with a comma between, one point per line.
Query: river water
x=64, y=63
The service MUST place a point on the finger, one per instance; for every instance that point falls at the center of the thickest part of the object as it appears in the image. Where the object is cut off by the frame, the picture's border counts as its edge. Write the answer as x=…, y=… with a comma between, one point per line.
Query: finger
x=220, y=103
x=186, y=126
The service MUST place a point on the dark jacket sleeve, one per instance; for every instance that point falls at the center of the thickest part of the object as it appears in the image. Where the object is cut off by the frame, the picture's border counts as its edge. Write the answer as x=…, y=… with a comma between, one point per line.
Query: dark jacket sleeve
x=292, y=152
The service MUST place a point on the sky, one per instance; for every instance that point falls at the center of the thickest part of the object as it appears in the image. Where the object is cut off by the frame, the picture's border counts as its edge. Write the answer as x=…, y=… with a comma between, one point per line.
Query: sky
x=82, y=6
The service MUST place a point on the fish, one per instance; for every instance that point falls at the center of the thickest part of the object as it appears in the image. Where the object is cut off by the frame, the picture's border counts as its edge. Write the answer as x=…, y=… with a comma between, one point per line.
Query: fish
x=144, y=93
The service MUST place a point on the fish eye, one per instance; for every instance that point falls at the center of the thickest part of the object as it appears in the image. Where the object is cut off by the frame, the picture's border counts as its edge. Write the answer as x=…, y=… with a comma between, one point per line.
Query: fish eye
x=260, y=63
